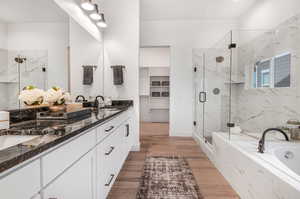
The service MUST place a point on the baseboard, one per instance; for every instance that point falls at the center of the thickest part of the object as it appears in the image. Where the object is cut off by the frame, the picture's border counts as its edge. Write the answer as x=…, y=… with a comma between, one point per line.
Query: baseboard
x=206, y=148
x=136, y=147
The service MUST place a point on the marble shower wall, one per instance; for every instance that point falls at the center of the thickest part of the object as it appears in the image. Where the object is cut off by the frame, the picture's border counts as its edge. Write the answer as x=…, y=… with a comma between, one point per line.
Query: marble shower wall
x=3, y=84
x=259, y=108
x=31, y=73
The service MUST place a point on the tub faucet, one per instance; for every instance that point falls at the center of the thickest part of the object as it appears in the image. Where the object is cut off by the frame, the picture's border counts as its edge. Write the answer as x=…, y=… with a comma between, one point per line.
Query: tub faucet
x=261, y=144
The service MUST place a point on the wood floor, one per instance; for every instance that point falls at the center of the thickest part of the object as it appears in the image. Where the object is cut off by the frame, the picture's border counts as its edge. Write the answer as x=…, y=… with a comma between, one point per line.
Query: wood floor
x=155, y=142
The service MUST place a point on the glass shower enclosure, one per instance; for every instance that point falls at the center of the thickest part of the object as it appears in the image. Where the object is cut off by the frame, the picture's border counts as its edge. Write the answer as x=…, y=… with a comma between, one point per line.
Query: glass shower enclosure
x=19, y=69
x=248, y=79
x=212, y=83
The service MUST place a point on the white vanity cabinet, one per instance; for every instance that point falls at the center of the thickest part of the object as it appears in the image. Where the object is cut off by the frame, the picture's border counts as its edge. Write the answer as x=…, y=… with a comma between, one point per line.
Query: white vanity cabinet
x=128, y=137
x=84, y=167
x=111, y=155
x=56, y=161
x=76, y=183
x=23, y=183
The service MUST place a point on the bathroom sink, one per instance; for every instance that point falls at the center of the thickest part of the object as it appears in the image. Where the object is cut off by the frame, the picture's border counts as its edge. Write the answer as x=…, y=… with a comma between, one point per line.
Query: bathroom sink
x=7, y=141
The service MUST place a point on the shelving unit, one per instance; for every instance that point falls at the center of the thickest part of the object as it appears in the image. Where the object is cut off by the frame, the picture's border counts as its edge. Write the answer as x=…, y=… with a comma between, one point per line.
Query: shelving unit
x=155, y=84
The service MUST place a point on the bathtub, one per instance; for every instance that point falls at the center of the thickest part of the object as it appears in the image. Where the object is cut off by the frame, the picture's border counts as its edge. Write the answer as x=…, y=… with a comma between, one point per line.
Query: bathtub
x=289, y=159
x=274, y=174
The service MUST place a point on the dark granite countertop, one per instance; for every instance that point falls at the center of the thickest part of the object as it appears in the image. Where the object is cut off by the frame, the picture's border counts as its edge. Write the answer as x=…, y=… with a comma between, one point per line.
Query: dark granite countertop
x=49, y=134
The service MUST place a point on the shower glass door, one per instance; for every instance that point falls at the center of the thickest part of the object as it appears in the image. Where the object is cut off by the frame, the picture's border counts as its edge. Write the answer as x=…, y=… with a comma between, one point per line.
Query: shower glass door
x=213, y=89
x=198, y=63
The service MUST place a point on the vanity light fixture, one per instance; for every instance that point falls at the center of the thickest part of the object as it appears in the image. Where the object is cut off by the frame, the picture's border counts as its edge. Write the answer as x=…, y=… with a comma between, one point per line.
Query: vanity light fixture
x=101, y=23
x=95, y=15
x=87, y=5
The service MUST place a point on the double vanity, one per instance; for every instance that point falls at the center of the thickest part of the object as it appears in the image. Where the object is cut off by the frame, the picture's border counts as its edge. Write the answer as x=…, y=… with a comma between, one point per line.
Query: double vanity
x=49, y=159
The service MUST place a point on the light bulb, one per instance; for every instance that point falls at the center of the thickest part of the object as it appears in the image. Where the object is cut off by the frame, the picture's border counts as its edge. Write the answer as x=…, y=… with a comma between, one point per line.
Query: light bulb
x=87, y=5
x=95, y=16
x=102, y=24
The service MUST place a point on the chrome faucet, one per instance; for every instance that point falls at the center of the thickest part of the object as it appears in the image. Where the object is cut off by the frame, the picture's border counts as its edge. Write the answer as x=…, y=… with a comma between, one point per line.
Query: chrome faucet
x=96, y=103
x=261, y=144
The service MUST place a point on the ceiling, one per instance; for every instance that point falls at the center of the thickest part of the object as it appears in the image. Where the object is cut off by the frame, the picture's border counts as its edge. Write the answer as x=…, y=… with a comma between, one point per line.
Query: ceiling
x=194, y=9
x=17, y=11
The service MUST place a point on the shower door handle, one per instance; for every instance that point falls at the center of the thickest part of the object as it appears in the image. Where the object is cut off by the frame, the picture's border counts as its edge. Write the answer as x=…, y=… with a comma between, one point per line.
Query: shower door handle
x=202, y=97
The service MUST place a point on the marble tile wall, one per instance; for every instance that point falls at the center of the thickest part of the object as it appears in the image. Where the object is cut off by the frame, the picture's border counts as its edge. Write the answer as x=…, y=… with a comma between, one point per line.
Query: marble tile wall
x=3, y=85
x=259, y=108
x=31, y=74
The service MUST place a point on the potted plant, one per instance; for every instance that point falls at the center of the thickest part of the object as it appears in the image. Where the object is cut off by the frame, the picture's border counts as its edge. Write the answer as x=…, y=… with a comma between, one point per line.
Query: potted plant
x=32, y=96
x=57, y=98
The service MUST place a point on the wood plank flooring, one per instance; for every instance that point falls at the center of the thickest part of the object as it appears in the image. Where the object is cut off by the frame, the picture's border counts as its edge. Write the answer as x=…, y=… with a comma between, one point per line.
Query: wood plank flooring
x=156, y=142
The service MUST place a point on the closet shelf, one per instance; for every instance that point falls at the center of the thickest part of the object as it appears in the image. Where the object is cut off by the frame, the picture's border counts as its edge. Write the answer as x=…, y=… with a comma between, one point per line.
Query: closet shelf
x=159, y=86
x=159, y=109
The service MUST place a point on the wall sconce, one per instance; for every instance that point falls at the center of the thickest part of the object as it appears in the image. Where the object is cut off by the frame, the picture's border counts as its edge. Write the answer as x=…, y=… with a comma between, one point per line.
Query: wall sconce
x=87, y=5
x=101, y=23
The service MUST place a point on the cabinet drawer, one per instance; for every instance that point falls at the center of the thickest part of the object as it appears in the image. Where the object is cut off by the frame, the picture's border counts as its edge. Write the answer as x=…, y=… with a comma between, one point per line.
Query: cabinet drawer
x=23, y=183
x=58, y=160
x=109, y=127
x=107, y=151
x=107, y=182
x=106, y=129
x=109, y=161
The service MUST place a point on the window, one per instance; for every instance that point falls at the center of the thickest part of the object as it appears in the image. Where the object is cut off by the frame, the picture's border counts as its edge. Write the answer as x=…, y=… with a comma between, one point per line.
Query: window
x=282, y=69
x=273, y=73
x=265, y=76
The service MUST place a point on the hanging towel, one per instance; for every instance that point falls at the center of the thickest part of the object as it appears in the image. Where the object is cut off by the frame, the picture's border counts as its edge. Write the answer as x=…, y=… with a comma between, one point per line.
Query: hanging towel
x=88, y=75
x=118, y=74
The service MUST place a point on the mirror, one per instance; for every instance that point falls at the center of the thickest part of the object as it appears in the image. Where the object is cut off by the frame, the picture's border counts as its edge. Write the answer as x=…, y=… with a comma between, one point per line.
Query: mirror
x=34, y=48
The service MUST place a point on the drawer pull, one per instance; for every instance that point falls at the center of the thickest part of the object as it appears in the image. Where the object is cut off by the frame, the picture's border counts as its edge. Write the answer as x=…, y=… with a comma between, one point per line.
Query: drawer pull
x=127, y=130
x=109, y=129
x=110, y=180
x=110, y=151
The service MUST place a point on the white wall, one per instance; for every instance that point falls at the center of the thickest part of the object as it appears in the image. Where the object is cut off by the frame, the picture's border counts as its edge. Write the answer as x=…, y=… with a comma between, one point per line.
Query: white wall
x=122, y=48
x=183, y=36
x=267, y=14
x=155, y=57
x=3, y=35
x=53, y=37
x=84, y=50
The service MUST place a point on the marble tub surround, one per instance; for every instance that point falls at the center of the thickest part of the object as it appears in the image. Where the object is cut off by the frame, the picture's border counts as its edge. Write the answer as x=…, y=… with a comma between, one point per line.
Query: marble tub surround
x=256, y=109
x=50, y=134
x=250, y=172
